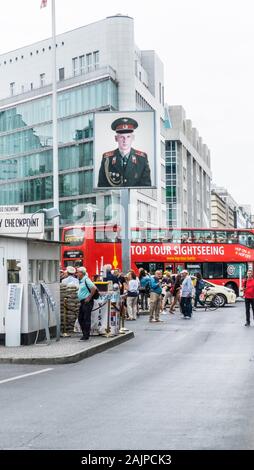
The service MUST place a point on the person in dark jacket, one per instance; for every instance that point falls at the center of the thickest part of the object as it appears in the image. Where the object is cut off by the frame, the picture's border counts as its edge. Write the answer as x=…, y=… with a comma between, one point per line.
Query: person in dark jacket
x=249, y=296
x=176, y=290
x=200, y=284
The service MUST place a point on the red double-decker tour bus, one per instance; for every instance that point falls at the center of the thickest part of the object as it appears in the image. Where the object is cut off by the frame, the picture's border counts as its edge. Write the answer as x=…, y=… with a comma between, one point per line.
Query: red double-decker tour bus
x=221, y=256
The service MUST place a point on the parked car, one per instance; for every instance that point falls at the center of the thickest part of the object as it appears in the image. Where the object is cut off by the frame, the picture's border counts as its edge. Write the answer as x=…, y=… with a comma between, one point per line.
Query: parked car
x=224, y=294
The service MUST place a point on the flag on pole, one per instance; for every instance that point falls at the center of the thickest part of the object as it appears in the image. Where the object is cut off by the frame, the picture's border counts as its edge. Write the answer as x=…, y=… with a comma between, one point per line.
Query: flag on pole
x=43, y=3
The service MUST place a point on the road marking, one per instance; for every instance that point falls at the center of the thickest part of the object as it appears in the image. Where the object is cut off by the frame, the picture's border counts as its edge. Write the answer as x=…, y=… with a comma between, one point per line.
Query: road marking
x=25, y=375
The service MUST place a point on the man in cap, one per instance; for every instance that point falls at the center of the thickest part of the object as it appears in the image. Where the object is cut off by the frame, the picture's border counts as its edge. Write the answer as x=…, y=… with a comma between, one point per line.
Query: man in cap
x=124, y=166
x=86, y=292
x=70, y=280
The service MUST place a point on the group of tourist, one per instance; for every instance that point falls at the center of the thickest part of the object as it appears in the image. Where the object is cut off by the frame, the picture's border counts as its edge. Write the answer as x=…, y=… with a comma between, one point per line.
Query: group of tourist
x=145, y=292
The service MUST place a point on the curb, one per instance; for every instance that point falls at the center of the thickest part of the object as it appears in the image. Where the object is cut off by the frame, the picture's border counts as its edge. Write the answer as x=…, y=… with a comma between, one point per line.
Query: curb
x=71, y=358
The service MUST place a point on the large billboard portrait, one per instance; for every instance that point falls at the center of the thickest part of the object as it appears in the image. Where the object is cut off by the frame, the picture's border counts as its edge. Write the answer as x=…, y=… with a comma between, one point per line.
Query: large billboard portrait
x=124, y=150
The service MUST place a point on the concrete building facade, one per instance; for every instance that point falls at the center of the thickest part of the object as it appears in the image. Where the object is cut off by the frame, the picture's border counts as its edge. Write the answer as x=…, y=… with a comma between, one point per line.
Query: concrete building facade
x=188, y=173
x=222, y=215
x=226, y=212
x=99, y=68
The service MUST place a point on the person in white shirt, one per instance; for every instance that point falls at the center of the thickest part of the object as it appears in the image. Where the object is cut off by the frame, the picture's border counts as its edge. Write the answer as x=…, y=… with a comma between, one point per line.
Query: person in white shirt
x=132, y=295
x=186, y=294
x=71, y=280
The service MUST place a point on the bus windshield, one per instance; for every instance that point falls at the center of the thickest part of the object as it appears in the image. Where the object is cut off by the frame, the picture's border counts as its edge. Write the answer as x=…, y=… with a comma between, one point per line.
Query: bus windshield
x=74, y=236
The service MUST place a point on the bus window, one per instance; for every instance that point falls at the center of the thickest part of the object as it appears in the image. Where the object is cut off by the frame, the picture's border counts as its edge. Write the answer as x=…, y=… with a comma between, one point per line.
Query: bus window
x=163, y=235
x=135, y=236
x=176, y=236
x=250, y=240
x=233, y=270
x=221, y=237
x=186, y=237
x=193, y=269
x=243, y=238
x=213, y=270
x=155, y=236
x=74, y=236
x=232, y=237
x=198, y=236
x=204, y=236
x=150, y=267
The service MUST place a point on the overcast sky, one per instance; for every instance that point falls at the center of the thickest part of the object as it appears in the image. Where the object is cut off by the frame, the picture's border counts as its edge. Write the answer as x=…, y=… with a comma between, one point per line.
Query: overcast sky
x=207, y=50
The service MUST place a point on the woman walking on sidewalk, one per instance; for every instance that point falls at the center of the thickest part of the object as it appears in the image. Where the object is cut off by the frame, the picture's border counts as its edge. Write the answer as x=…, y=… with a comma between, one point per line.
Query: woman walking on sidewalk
x=249, y=296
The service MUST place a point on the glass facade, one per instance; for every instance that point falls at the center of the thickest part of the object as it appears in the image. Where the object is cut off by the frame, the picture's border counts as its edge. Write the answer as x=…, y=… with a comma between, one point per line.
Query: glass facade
x=171, y=193
x=26, y=148
x=77, y=100
x=41, y=162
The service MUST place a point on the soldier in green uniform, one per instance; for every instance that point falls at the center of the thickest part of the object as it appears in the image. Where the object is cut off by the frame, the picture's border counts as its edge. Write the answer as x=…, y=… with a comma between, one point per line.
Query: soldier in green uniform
x=124, y=166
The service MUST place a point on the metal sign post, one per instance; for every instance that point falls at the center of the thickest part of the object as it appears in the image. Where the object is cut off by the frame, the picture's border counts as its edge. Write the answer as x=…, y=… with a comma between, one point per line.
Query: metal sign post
x=125, y=226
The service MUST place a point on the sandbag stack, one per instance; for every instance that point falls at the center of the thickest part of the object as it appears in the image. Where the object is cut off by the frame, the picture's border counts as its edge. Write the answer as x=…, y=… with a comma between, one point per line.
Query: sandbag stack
x=72, y=307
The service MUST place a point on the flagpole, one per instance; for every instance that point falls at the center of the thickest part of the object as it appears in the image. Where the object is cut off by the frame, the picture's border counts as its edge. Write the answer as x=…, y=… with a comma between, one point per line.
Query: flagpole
x=54, y=125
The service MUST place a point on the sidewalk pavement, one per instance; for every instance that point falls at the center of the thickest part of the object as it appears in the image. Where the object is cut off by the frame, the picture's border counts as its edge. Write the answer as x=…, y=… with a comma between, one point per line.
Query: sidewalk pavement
x=65, y=351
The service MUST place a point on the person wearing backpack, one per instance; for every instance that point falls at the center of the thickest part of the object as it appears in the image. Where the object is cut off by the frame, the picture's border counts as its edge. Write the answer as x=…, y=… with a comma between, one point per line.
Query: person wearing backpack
x=86, y=294
x=200, y=284
x=144, y=288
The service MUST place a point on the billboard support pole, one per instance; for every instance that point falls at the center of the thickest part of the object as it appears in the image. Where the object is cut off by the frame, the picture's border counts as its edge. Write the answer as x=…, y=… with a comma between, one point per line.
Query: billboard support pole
x=125, y=225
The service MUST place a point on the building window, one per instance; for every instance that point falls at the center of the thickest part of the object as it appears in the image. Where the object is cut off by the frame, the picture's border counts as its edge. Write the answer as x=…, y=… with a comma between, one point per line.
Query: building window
x=163, y=95
x=160, y=92
x=22, y=88
x=61, y=74
x=75, y=66
x=42, y=79
x=31, y=85
x=139, y=76
x=96, y=59
x=82, y=64
x=12, y=88
x=89, y=62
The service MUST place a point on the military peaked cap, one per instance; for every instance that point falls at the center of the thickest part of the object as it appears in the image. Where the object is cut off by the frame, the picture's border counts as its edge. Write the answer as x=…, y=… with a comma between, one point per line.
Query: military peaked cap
x=124, y=125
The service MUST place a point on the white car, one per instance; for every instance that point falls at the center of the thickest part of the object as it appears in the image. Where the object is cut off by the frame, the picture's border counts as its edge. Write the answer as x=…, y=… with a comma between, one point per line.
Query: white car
x=226, y=295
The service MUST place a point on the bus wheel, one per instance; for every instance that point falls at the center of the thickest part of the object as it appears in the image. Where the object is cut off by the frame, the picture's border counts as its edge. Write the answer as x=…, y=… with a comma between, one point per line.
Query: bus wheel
x=220, y=299
x=233, y=286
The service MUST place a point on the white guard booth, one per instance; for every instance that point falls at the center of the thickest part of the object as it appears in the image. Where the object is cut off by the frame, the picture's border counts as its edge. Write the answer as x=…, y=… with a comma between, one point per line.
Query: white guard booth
x=30, y=290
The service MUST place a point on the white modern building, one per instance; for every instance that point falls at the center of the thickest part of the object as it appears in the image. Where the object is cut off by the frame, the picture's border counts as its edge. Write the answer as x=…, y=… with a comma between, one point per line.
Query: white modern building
x=188, y=172
x=99, y=68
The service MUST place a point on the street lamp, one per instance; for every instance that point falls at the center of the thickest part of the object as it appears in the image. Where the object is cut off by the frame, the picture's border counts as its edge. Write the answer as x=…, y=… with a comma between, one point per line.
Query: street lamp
x=50, y=213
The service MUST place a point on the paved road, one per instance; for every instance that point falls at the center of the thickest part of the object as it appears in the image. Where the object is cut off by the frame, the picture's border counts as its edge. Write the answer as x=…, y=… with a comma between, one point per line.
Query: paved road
x=181, y=384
